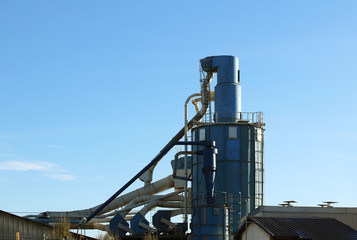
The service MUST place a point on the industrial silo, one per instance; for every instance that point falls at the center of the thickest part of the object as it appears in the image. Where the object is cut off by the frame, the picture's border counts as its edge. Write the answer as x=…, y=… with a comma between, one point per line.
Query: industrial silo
x=239, y=138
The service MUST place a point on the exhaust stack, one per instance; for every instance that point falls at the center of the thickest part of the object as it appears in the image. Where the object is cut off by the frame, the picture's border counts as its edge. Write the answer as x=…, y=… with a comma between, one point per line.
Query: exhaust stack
x=228, y=89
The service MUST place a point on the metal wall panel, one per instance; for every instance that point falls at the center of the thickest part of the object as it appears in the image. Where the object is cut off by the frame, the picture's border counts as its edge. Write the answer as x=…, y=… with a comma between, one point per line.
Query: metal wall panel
x=11, y=224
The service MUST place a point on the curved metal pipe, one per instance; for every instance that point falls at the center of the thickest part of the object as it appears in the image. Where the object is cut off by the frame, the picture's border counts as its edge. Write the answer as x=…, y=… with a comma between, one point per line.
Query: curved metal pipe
x=141, y=200
x=186, y=103
x=138, y=202
x=159, y=203
x=197, y=100
x=150, y=189
x=169, y=197
x=153, y=188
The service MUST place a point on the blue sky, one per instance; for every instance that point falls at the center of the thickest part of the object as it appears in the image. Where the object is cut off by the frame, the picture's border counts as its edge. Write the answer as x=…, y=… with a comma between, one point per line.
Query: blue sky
x=92, y=90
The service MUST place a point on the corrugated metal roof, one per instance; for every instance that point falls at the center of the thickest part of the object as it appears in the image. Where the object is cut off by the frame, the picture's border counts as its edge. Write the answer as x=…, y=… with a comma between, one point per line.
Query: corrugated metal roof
x=29, y=229
x=347, y=216
x=305, y=228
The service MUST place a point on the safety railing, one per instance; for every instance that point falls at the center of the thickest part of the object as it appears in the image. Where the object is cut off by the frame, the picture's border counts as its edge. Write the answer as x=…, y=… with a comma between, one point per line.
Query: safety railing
x=235, y=117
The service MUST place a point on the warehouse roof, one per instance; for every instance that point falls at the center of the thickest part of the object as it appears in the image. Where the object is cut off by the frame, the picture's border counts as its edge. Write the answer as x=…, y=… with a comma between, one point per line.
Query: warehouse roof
x=24, y=219
x=301, y=228
x=10, y=224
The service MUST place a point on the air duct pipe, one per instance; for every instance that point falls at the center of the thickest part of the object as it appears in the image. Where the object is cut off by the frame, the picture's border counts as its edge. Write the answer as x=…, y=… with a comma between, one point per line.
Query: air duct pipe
x=141, y=200
x=152, y=188
x=159, y=203
x=197, y=100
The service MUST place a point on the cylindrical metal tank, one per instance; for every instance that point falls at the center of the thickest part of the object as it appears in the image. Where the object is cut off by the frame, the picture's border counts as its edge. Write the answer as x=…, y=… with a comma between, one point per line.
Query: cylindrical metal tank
x=239, y=174
x=239, y=140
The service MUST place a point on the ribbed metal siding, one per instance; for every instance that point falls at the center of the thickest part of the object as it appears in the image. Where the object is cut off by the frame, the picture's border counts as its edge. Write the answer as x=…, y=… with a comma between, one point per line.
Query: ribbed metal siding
x=10, y=224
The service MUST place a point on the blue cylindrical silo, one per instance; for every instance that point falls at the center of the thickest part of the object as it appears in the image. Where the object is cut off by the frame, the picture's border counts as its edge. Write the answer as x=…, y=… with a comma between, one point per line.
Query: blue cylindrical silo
x=239, y=164
x=239, y=174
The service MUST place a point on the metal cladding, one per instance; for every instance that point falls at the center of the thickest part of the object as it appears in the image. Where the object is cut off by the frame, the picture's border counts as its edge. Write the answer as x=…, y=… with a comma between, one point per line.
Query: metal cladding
x=227, y=90
x=238, y=185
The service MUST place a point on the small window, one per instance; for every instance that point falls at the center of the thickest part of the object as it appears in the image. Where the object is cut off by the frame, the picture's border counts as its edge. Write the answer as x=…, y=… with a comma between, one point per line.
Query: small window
x=232, y=133
x=202, y=134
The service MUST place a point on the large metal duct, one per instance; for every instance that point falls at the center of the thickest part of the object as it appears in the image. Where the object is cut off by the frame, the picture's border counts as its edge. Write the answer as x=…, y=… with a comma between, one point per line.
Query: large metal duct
x=149, y=189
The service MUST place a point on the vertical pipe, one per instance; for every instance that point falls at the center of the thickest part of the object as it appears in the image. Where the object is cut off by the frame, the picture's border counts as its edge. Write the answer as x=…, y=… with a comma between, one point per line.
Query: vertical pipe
x=185, y=161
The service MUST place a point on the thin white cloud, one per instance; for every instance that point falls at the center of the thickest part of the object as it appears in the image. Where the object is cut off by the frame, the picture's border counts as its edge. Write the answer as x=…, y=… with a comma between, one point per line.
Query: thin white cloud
x=62, y=177
x=51, y=170
x=26, y=166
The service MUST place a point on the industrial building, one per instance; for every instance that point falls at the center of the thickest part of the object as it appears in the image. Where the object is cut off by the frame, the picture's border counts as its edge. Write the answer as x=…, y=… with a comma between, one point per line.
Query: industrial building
x=215, y=184
x=13, y=227
x=11, y=224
